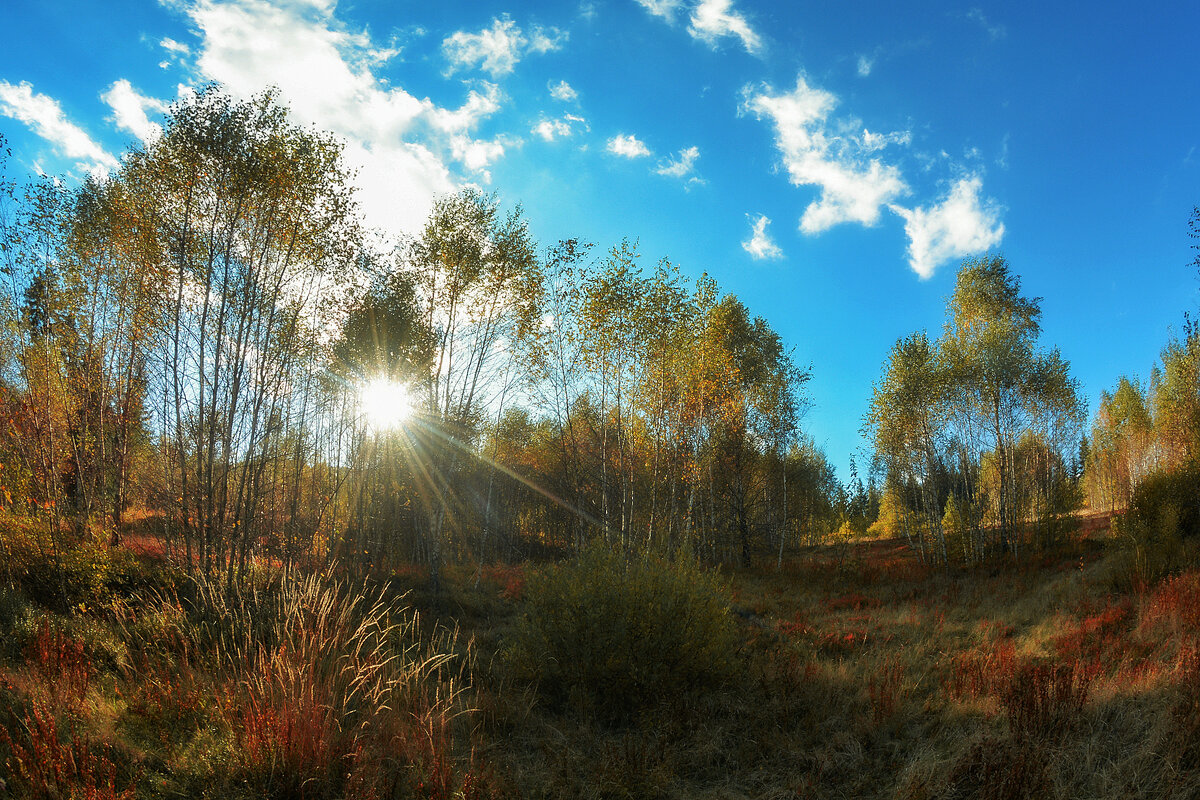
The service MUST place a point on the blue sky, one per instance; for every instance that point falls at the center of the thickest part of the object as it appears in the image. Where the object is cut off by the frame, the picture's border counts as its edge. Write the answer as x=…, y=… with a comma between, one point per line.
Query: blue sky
x=830, y=164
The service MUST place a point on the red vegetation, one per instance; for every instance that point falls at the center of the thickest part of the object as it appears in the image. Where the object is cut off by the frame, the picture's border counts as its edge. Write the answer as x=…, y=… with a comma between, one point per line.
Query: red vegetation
x=797, y=626
x=1099, y=639
x=883, y=688
x=59, y=660
x=978, y=673
x=995, y=629
x=48, y=767
x=843, y=641
x=299, y=738
x=511, y=579
x=1175, y=603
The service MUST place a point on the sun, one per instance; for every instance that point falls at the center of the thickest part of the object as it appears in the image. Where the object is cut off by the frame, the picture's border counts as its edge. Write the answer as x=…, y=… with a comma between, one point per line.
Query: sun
x=385, y=404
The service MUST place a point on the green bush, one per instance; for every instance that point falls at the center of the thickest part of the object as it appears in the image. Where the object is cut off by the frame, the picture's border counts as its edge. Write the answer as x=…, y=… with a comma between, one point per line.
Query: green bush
x=62, y=578
x=1163, y=515
x=613, y=639
x=65, y=573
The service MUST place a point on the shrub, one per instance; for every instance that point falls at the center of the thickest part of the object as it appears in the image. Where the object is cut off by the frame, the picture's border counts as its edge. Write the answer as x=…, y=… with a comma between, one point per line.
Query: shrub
x=979, y=673
x=1182, y=744
x=1172, y=608
x=71, y=574
x=613, y=638
x=1163, y=513
x=13, y=610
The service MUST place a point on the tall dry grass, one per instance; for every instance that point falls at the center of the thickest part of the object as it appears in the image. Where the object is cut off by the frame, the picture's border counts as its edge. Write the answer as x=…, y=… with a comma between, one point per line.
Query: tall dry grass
x=320, y=690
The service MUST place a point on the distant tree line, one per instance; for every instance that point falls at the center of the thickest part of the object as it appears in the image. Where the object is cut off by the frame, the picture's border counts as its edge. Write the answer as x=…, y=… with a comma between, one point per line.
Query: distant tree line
x=1142, y=429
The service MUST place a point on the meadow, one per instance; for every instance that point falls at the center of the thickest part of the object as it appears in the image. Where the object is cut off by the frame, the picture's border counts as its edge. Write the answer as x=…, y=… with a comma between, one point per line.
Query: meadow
x=846, y=671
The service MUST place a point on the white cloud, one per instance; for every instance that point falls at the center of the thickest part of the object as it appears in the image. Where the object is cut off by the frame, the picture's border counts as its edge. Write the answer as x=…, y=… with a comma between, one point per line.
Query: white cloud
x=548, y=129
x=551, y=129
x=563, y=91
x=177, y=48
x=627, y=146
x=402, y=146
x=816, y=153
x=994, y=30
x=129, y=110
x=840, y=158
x=865, y=65
x=547, y=40
x=682, y=165
x=871, y=142
x=715, y=19
x=956, y=227
x=477, y=106
x=497, y=50
x=760, y=245
x=44, y=116
x=474, y=154
x=661, y=8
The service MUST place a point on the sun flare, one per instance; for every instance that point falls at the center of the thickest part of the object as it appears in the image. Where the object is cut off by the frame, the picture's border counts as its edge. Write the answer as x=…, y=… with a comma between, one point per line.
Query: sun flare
x=385, y=404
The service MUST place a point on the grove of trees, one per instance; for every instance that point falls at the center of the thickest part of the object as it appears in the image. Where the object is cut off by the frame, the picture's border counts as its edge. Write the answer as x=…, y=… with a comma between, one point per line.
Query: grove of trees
x=976, y=431
x=191, y=336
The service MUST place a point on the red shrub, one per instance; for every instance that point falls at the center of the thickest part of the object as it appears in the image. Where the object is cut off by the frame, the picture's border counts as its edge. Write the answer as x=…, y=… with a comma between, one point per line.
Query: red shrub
x=797, y=626
x=842, y=641
x=295, y=738
x=514, y=586
x=509, y=577
x=1098, y=639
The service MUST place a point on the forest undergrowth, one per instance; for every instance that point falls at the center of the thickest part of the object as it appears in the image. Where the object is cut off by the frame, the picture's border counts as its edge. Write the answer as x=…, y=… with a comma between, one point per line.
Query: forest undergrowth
x=845, y=673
